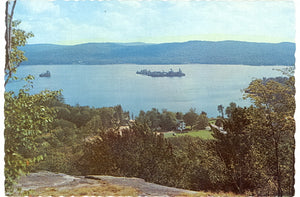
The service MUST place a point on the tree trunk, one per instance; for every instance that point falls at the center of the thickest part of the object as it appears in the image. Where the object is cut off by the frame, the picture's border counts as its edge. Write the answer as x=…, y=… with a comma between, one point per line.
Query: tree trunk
x=8, y=25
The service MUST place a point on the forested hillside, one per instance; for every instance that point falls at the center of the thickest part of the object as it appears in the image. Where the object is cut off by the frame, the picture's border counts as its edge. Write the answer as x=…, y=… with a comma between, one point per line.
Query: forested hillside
x=193, y=52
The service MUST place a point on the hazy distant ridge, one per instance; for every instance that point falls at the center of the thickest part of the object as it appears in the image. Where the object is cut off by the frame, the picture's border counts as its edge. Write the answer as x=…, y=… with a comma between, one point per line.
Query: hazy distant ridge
x=200, y=52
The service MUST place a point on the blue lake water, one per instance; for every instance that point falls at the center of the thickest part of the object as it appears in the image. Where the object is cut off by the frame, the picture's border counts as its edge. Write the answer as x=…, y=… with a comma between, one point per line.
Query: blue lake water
x=204, y=87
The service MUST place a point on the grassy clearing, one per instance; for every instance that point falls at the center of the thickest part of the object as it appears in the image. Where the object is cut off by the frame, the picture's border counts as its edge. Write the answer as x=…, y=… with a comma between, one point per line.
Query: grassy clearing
x=204, y=134
x=103, y=190
x=212, y=121
x=167, y=135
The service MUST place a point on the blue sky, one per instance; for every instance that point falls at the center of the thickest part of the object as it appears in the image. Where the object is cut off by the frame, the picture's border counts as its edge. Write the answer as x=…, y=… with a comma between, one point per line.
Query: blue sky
x=156, y=21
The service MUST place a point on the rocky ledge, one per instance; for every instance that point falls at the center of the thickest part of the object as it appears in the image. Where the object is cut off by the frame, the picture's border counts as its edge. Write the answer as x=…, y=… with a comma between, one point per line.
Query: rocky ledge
x=41, y=180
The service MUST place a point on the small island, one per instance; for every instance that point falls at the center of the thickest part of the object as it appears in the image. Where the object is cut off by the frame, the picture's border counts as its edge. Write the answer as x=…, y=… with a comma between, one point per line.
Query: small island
x=171, y=73
x=46, y=74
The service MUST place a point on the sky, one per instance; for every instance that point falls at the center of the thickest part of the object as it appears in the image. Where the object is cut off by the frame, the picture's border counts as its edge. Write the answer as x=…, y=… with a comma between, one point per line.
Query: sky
x=156, y=21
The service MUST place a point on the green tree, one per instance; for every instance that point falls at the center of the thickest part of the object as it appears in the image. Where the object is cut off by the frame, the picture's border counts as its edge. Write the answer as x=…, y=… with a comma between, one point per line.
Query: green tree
x=233, y=149
x=94, y=126
x=14, y=39
x=276, y=101
x=202, y=121
x=107, y=117
x=26, y=117
x=63, y=112
x=142, y=117
x=219, y=122
x=221, y=110
x=179, y=115
x=138, y=152
x=232, y=106
x=197, y=165
x=60, y=146
x=151, y=118
x=154, y=118
x=190, y=118
x=120, y=116
x=258, y=145
x=168, y=120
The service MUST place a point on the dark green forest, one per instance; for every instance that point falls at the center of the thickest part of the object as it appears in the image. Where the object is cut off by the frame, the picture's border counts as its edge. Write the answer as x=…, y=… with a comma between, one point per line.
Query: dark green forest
x=192, y=52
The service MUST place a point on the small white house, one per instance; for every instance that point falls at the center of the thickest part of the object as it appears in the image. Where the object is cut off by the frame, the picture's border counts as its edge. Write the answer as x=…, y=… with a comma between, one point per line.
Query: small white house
x=181, y=125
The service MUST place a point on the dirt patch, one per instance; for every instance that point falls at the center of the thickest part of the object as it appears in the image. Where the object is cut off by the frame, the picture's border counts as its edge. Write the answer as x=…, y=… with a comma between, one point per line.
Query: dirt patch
x=147, y=189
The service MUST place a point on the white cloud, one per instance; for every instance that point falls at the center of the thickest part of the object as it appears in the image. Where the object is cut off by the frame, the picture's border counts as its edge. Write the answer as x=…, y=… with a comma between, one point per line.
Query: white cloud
x=40, y=6
x=124, y=21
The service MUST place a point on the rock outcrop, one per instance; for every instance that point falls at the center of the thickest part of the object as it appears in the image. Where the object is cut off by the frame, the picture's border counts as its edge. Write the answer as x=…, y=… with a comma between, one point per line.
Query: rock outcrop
x=42, y=180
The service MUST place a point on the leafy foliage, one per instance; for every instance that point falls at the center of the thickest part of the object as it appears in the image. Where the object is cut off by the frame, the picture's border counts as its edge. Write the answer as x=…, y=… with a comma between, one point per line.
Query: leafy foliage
x=258, y=147
x=232, y=106
x=202, y=121
x=181, y=162
x=74, y=125
x=233, y=148
x=275, y=99
x=168, y=121
x=221, y=110
x=26, y=117
x=135, y=152
x=16, y=56
x=165, y=121
x=190, y=118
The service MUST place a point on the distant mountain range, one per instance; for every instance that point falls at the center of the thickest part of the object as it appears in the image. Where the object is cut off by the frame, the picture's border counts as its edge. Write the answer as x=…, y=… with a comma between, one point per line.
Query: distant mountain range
x=192, y=52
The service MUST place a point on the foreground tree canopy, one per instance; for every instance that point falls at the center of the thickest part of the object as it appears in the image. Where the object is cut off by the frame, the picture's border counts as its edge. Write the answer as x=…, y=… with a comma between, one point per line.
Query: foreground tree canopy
x=14, y=39
x=26, y=116
x=258, y=150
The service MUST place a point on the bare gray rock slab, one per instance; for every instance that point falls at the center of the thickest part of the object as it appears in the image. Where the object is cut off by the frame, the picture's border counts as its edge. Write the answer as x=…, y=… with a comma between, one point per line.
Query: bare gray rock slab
x=45, y=179
x=147, y=189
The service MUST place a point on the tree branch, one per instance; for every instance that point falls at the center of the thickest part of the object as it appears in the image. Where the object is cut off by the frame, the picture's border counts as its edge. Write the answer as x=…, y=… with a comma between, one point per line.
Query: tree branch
x=8, y=24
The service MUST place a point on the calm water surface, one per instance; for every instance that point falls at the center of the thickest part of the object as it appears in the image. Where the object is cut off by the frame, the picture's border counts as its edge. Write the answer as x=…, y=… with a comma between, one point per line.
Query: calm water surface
x=204, y=87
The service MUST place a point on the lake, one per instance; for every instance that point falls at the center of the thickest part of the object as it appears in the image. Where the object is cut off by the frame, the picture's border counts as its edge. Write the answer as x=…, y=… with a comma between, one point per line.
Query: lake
x=204, y=87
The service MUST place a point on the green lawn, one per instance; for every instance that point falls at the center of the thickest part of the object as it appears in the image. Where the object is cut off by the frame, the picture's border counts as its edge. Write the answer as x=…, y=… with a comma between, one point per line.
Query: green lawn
x=204, y=134
x=212, y=121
